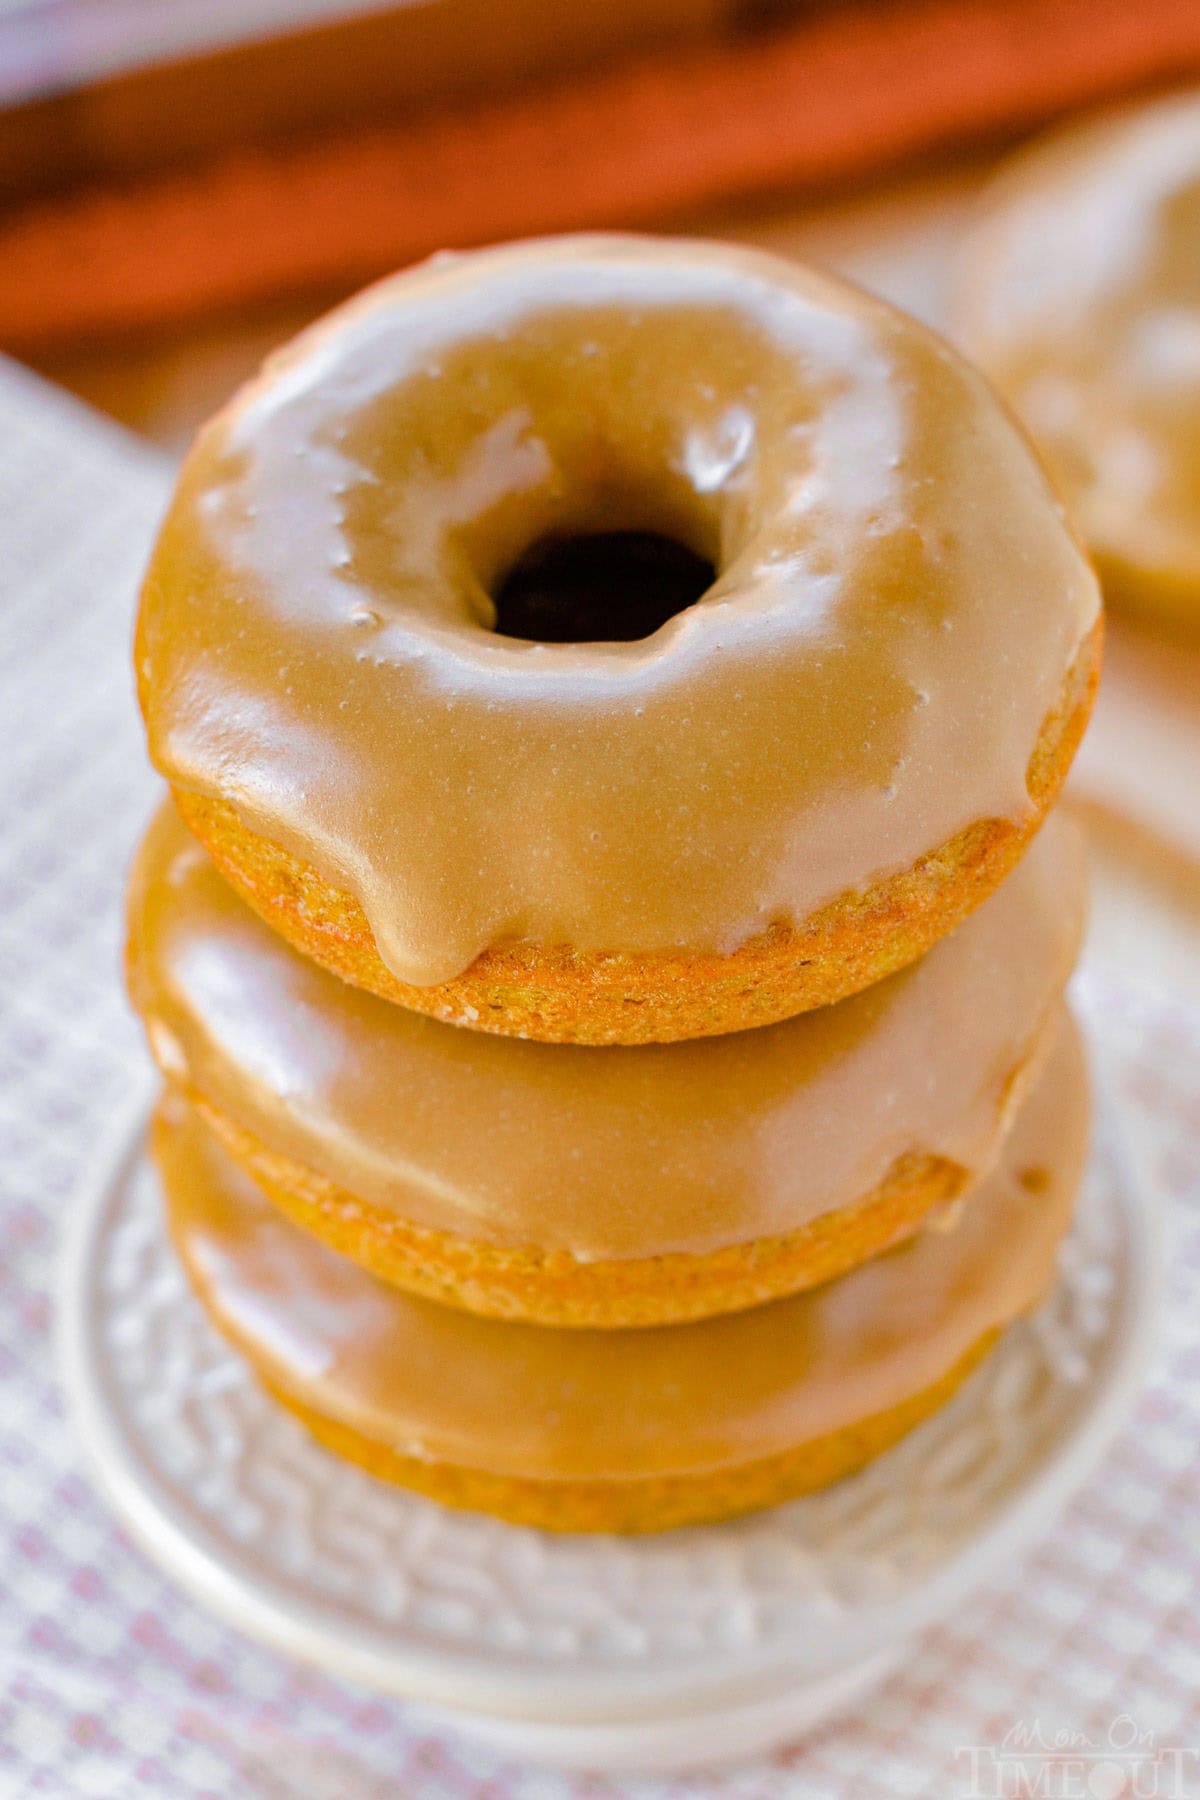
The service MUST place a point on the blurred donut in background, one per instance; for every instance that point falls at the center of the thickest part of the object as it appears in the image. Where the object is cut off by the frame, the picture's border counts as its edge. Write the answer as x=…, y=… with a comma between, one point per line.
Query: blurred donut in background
x=1078, y=292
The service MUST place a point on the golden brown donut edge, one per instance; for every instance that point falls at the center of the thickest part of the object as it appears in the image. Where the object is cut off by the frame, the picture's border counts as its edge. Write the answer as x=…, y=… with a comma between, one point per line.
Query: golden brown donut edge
x=561, y=995
x=552, y=1287
x=655, y=1503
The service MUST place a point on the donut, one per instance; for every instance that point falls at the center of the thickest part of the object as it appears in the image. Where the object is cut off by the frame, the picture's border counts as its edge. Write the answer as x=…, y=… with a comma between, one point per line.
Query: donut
x=1079, y=294
x=576, y=1186
x=611, y=640
x=625, y=1430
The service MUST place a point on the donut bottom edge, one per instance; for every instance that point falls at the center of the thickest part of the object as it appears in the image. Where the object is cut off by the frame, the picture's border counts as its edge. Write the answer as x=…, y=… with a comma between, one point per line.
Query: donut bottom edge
x=635, y=1507
x=521, y=1282
x=559, y=995
x=1148, y=593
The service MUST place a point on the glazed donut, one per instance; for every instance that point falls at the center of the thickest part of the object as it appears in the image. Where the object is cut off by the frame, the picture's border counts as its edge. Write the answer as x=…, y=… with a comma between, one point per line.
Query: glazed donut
x=1079, y=294
x=350, y=661
x=586, y=1187
x=626, y=1430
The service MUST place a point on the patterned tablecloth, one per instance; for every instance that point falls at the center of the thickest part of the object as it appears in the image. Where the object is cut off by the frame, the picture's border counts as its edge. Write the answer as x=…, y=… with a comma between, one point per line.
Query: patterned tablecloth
x=111, y=1683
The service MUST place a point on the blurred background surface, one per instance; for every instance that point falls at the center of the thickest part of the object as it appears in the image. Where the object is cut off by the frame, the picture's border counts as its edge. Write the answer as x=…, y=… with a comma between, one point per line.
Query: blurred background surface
x=182, y=183
x=185, y=183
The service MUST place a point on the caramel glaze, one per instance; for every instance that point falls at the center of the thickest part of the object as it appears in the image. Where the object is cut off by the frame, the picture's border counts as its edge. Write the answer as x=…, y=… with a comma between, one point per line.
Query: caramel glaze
x=897, y=606
x=602, y=1153
x=525, y=1400
x=1080, y=296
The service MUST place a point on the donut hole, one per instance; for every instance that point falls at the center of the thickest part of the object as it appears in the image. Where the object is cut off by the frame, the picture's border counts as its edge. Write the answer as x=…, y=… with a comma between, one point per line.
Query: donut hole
x=606, y=587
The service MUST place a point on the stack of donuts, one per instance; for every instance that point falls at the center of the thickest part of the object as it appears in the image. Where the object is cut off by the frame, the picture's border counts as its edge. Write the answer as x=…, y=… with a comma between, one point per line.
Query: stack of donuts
x=602, y=946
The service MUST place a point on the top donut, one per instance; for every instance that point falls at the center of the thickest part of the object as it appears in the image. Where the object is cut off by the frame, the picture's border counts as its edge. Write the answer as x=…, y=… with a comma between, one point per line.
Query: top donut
x=1080, y=296
x=615, y=640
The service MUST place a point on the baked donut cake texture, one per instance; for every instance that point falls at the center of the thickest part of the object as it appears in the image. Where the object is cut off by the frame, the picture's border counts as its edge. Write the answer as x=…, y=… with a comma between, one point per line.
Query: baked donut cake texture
x=602, y=954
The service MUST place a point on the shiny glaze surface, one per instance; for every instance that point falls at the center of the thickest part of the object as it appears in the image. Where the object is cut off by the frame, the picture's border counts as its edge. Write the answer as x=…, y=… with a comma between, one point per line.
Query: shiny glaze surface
x=1081, y=298
x=897, y=603
x=608, y=1152
x=527, y=1400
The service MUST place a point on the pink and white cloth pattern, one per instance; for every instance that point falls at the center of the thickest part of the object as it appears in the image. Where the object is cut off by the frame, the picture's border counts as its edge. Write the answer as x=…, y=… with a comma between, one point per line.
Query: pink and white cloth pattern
x=111, y=1682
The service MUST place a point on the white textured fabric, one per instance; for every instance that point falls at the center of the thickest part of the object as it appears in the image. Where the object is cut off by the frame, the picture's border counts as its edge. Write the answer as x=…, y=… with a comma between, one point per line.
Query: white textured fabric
x=113, y=1684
